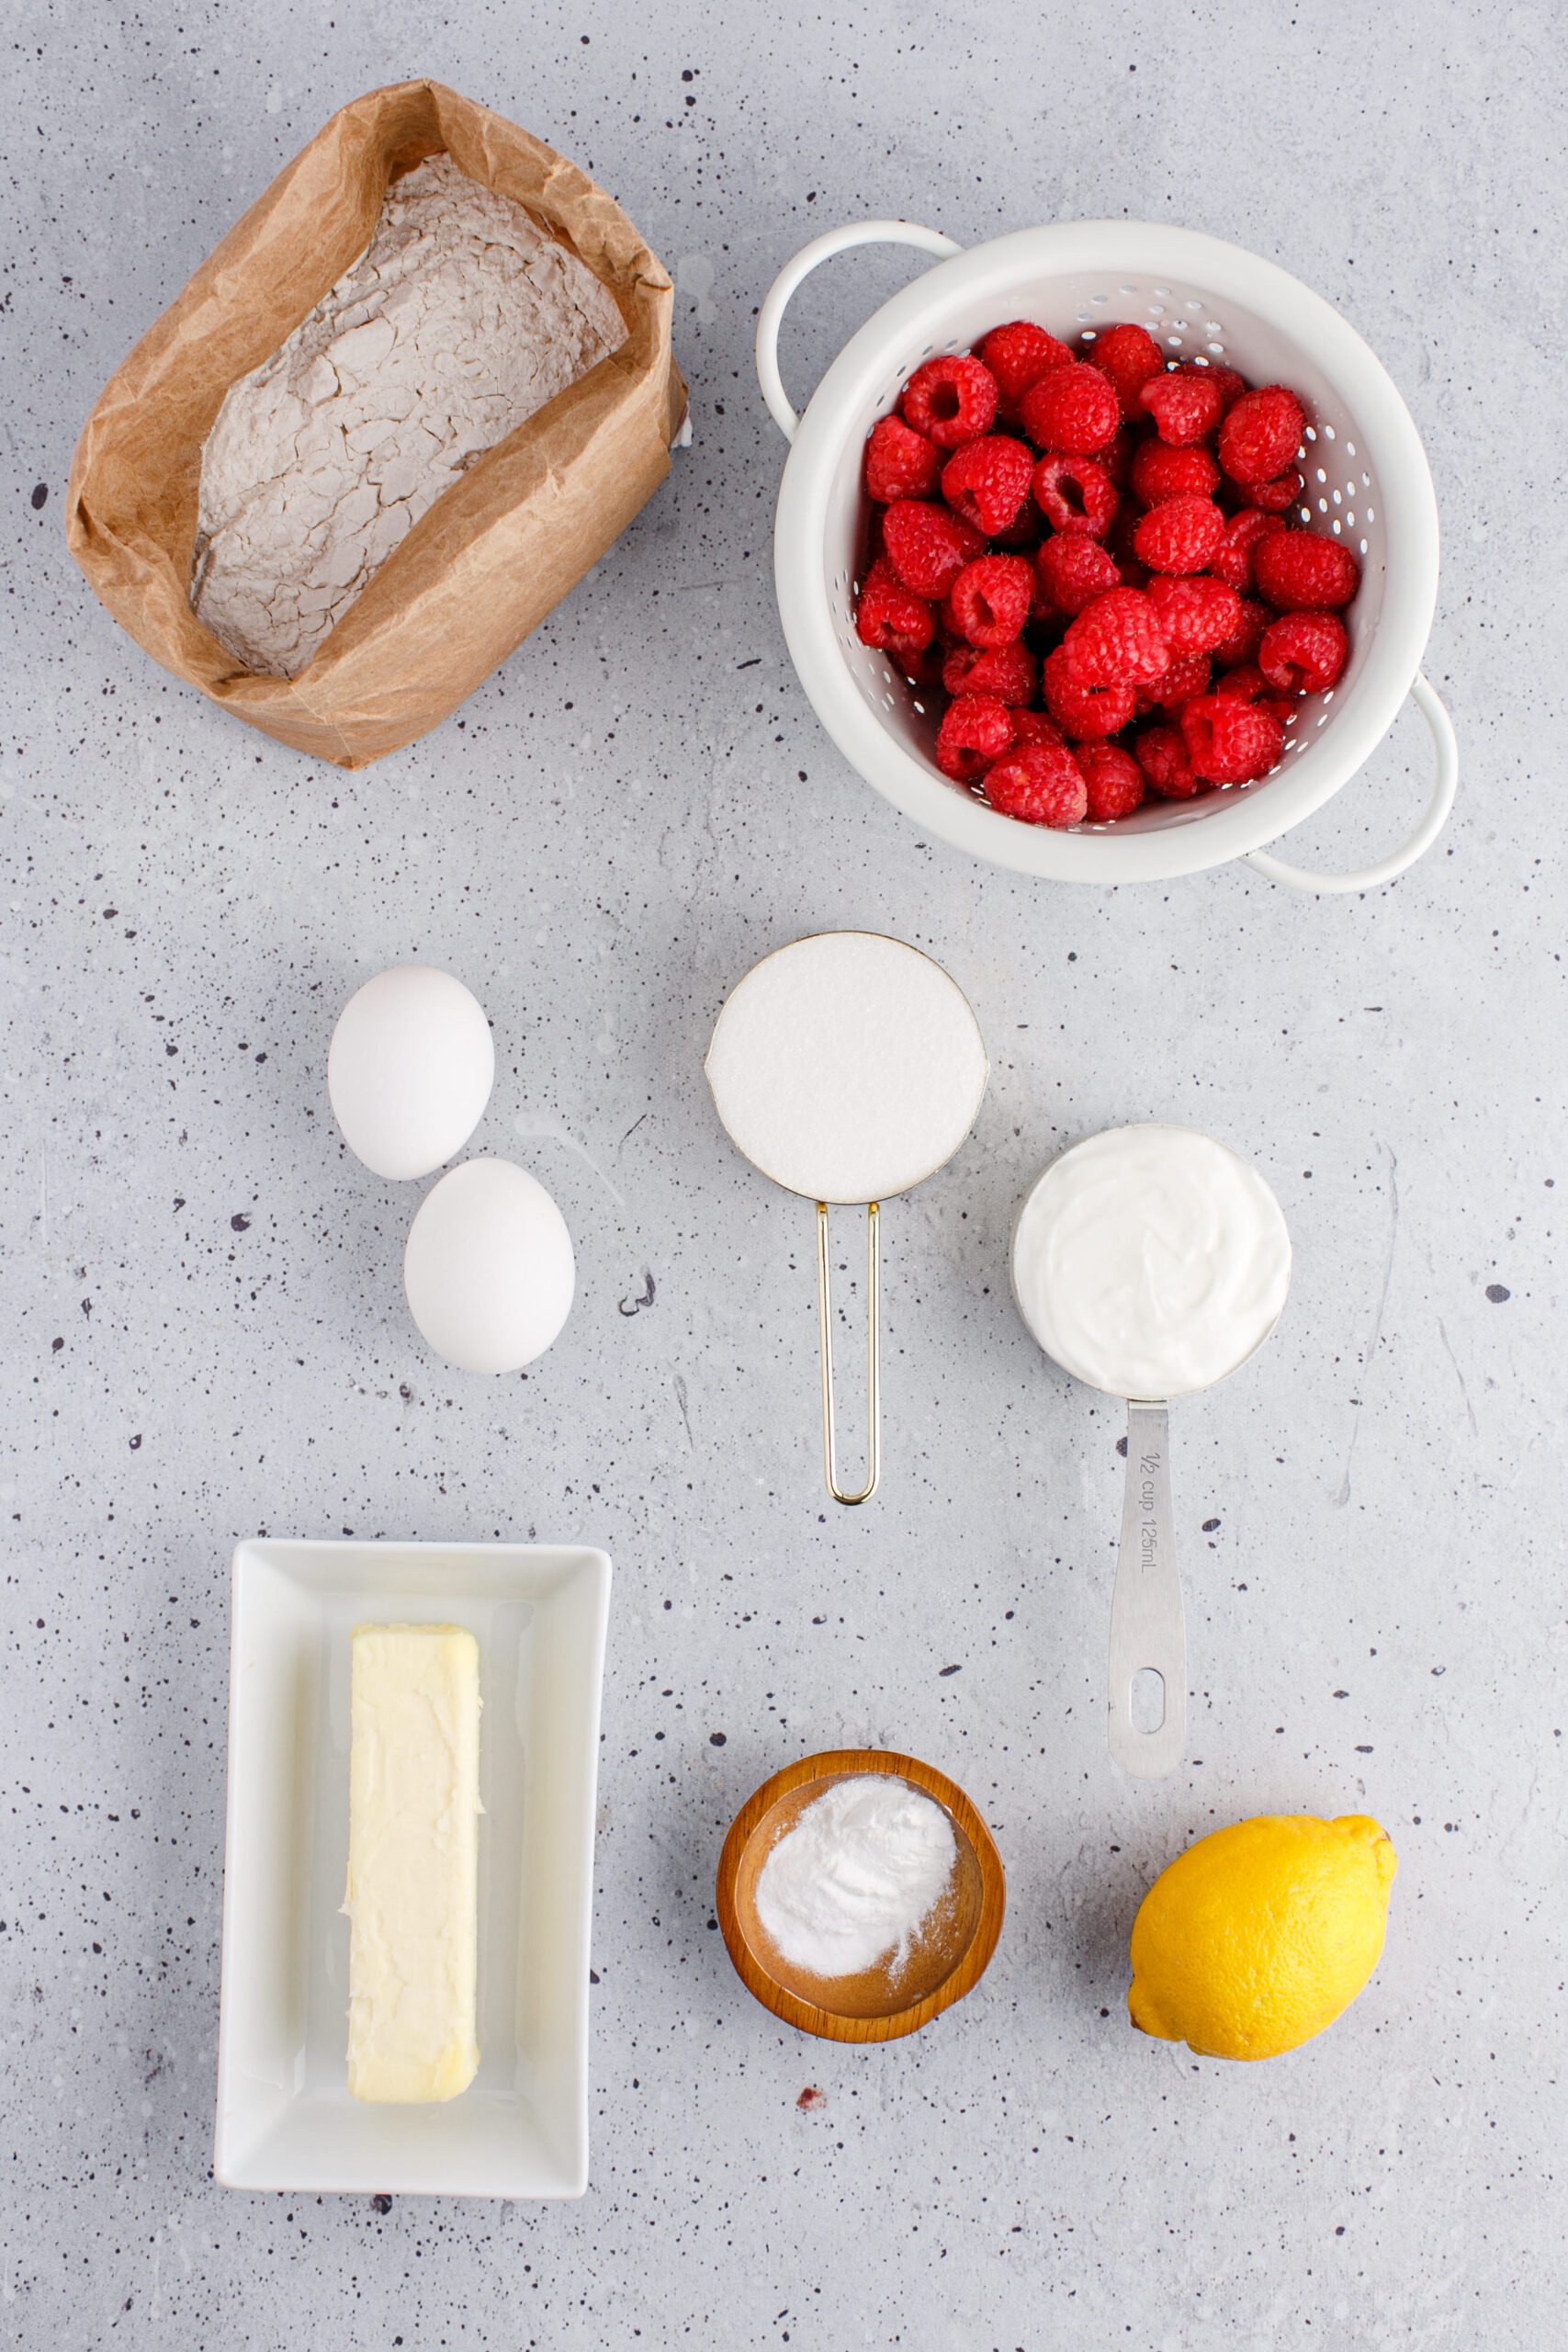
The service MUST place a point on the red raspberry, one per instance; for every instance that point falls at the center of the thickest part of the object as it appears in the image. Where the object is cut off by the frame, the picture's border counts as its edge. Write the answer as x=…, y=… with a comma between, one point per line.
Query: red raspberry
x=1116, y=458
x=1082, y=710
x=1247, y=636
x=924, y=668
x=1117, y=639
x=950, y=400
x=1301, y=572
x=1161, y=752
x=1018, y=355
x=1006, y=673
x=1261, y=434
x=1179, y=535
x=1133, y=573
x=900, y=463
x=974, y=730
x=1231, y=385
x=1040, y=785
x=991, y=598
x=1277, y=497
x=1115, y=779
x=927, y=545
x=891, y=616
x=1230, y=741
x=1195, y=614
x=1074, y=569
x=1073, y=411
x=1186, y=405
x=987, y=481
x=1232, y=557
x=1303, y=653
x=1187, y=676
x=1076, y=495
x=1129, y=356
x=1034, y=727
x=1249, y=684
x=1159, y=471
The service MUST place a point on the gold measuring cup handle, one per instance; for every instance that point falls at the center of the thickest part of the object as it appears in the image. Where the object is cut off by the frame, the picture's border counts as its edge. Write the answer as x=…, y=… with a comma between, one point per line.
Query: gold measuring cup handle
x=873, y=1356
x=1148, y=1629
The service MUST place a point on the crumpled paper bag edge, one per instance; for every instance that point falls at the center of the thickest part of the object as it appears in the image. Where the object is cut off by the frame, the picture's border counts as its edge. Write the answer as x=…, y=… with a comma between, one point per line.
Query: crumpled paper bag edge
x=347, y=707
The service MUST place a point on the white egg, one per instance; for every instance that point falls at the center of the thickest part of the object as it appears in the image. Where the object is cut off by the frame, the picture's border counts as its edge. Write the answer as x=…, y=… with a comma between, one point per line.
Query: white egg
x=410, y=1069
x=489, y=1268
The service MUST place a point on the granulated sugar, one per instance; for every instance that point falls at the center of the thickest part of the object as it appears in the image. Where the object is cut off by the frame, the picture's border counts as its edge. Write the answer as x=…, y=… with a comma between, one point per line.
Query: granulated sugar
x=855, y=1880
x=455, y=323
x=847, y=1067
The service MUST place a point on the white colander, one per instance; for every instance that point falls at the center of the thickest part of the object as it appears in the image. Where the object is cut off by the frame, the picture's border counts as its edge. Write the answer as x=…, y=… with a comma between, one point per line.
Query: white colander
x=1366, y=481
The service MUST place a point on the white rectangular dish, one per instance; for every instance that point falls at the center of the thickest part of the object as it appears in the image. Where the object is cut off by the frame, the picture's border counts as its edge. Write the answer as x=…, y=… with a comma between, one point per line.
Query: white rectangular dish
x=284, y=2116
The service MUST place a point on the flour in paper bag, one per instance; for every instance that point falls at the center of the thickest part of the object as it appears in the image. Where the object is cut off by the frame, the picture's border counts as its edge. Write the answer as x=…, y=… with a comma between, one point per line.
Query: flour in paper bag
x=455, y=323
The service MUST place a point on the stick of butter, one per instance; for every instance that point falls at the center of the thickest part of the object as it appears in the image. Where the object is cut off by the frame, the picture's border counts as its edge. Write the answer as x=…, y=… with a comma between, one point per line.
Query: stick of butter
x=412, y=1901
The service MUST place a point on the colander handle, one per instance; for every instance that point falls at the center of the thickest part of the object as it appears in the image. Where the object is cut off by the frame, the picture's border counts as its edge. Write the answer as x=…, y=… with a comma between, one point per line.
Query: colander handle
x=821, y=249
x=1371, y=878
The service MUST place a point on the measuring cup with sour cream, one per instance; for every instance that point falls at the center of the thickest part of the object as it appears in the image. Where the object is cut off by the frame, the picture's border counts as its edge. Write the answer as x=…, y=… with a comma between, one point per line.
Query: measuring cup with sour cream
x=1150, y=1261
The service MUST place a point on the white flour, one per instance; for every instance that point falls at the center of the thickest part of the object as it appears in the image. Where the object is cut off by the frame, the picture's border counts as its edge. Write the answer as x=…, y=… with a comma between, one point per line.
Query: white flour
x=458, y=321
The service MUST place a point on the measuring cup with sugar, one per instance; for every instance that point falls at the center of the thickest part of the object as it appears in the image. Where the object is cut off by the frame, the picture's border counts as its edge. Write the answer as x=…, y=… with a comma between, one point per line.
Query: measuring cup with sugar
x=848, y=1067
x=1150, y=1261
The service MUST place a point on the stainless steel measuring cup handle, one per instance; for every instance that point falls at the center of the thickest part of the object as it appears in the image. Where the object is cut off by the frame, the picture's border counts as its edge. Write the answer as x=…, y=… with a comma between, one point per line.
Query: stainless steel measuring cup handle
x=1148, y=1628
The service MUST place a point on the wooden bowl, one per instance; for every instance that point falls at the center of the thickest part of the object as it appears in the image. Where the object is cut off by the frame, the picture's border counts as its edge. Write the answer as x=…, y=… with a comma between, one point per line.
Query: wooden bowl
x=954, y=1950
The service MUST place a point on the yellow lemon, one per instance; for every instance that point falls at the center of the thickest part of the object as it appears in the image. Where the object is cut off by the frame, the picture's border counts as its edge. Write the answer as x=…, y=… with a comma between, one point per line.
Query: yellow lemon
x=1256, y=1937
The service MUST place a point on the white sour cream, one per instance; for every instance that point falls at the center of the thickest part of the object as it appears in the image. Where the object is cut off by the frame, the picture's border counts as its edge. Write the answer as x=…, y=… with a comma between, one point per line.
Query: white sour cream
x=1151, y=1260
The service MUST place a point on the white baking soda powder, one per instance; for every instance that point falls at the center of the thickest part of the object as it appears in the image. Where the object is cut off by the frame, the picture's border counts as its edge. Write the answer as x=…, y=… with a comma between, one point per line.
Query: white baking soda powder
x=857, y=1877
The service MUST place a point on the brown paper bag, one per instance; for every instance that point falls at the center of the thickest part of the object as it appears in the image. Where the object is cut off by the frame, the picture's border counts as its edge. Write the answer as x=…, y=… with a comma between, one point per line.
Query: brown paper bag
x=495, y=553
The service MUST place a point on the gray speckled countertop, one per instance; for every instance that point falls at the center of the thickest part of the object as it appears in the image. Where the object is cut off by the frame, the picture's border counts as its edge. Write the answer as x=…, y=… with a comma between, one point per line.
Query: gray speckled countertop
x=204, y=1336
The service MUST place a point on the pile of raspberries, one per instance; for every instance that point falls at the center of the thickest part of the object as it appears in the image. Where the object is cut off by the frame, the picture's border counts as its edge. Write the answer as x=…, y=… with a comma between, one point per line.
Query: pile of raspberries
x=1089, y=555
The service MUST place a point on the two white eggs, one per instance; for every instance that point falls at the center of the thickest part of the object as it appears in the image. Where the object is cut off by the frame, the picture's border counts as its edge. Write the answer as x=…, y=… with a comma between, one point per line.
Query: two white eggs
x=488, y=1266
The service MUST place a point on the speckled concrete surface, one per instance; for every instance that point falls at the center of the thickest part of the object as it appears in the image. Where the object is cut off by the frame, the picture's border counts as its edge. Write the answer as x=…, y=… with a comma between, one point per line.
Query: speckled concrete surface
x=204, y=1335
